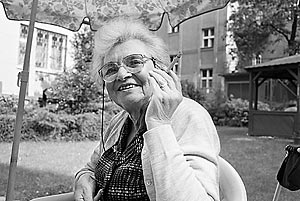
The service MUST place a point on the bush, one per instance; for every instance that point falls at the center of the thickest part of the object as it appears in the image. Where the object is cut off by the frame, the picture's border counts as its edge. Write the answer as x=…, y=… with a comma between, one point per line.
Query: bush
x=8, y=104
x=189, y=91
x=7, y=128
x=43, y=124
x=233, y=112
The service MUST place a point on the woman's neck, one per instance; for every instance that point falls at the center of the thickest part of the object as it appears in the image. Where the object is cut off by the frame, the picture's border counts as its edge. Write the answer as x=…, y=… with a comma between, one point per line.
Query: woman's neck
x=138, y=118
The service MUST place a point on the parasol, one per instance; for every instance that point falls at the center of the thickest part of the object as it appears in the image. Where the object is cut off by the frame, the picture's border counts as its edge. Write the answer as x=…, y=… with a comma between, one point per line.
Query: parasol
x=70, y=14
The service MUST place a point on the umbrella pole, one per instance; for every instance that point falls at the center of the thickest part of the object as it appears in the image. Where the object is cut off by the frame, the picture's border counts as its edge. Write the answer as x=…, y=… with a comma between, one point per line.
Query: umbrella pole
x=20, y=111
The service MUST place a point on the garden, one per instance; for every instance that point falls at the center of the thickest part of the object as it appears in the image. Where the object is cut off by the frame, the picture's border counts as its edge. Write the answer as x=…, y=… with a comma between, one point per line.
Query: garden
x=47, y=168
x=79, y=120
x=58, y=139
x=72, y=108
x=58, y=136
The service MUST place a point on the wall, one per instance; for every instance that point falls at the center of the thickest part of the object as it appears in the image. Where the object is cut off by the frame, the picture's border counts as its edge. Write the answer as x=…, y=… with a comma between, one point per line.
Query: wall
x=189, y=41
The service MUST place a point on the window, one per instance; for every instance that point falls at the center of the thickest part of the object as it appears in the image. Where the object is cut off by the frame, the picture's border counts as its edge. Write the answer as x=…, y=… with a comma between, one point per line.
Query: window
x=41, y=55
x=175, y=68
x=22, y=43
x=50, y=48
x=208, y=36
x=257, y=59
x=206, y=78
x=57, y=51
x=173, y=29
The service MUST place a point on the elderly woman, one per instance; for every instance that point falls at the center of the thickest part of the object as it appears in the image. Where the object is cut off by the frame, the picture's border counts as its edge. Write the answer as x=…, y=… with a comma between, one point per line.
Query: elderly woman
x=162, y=146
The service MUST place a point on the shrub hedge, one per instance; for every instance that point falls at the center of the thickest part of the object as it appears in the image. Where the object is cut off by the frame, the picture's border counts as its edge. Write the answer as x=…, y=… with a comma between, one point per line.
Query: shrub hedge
x=233, y=112
x=224, y=111
x=48, y=125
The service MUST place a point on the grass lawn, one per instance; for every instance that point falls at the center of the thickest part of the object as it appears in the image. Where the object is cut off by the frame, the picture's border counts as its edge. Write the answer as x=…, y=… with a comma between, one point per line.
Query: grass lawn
x=48, y=168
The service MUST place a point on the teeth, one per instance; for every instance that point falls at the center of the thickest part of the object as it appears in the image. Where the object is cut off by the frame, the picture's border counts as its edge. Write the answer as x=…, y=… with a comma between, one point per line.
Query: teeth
x=126, y=87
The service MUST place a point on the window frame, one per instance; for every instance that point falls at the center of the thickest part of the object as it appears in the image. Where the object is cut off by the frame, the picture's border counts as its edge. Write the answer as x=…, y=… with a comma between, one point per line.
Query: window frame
x=257, y=59
x=210, y=37
x=208, y=78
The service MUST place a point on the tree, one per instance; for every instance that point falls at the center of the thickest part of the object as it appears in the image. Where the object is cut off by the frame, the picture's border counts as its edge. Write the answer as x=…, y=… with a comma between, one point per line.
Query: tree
x=256, y=20
x=75, y=89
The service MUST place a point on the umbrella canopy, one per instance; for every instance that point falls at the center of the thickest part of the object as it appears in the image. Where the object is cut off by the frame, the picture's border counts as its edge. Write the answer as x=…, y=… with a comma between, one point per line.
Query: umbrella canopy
x=71, y=13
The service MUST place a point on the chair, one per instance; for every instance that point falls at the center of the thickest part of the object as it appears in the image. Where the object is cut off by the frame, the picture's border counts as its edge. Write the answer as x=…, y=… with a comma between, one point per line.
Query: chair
x=58, y=197
x=231, y=186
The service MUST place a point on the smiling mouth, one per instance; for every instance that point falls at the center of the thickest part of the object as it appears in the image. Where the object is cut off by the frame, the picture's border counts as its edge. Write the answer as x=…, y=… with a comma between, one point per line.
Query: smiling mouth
x=126, y=87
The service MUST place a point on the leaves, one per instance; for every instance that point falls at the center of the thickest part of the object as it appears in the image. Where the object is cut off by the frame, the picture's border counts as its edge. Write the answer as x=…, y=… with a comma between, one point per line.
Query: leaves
x=256, y=20
x=75, y=88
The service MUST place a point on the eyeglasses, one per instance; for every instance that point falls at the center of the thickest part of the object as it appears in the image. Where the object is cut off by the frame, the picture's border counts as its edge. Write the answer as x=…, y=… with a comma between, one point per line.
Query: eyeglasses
x=133, y=63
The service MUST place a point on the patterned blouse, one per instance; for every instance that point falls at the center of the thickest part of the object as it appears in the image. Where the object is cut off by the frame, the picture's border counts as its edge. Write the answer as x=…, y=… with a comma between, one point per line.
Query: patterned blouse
x=119, y=171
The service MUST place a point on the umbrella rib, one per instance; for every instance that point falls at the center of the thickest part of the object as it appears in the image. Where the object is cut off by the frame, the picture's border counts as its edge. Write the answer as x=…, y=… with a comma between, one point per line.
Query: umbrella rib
x=85, y=7
x=161, y=5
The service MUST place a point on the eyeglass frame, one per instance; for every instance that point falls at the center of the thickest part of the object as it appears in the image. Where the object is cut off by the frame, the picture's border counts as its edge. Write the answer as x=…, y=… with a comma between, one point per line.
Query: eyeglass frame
x=121, y=64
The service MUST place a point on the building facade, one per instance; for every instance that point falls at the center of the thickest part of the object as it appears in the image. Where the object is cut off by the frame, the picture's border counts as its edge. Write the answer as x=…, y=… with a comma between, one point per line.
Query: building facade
x=204, y=43
x=51, y=54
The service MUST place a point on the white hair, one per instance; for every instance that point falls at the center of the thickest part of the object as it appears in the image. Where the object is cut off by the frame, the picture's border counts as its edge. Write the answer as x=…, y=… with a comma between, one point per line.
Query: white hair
x=120, y=30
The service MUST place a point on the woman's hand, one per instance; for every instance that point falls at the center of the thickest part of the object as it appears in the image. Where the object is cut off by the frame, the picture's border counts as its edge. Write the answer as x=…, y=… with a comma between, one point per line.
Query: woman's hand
x=85, y=189
x=166, y=97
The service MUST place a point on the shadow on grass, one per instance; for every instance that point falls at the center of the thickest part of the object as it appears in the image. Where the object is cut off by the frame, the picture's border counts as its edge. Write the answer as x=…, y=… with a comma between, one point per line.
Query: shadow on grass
x=33, y=183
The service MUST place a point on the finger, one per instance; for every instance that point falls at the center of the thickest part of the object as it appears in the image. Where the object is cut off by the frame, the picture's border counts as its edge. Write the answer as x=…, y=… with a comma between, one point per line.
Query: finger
x=83, y=195
x=78, y=197
x=155, y=85
x=176, y=80
x=99, y=195
x=159, y=80
x=165, y=83
x=166, y=76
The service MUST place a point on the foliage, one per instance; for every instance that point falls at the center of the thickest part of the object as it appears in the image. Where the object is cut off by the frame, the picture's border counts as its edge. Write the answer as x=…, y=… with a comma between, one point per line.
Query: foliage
x=43, y=124
x=256, y=20
x=7, y=128
x=75, y=89
x=189, y=90
x=8, y=104
x=234, y=112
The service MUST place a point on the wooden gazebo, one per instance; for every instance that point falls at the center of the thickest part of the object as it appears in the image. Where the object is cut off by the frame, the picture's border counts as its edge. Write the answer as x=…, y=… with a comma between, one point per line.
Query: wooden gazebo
x=274, y=123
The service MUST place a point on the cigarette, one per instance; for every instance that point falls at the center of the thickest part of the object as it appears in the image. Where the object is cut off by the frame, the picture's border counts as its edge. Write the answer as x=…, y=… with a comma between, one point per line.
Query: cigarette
x=175, y=60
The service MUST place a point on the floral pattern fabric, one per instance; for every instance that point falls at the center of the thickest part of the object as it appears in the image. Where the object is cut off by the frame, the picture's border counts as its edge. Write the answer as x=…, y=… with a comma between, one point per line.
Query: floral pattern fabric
x=71, y=13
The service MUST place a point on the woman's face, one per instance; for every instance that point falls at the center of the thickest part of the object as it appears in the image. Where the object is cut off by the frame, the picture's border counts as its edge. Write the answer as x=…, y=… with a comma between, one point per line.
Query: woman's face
x=128, y=90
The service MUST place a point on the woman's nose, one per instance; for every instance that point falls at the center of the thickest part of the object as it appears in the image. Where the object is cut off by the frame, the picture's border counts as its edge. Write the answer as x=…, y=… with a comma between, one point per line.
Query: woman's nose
x=123, y=73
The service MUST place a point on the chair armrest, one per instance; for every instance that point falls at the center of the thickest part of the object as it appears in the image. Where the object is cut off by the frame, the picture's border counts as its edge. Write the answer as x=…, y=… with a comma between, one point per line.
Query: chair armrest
x=58, y=197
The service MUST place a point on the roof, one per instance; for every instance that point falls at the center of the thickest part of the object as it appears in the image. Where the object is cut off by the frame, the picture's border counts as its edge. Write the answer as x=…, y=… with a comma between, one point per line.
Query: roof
x=235, y=74
x=290, y=60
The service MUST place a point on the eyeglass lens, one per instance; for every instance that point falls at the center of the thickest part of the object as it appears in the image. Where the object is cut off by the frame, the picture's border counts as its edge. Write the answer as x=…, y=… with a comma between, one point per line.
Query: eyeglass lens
x=132, y=63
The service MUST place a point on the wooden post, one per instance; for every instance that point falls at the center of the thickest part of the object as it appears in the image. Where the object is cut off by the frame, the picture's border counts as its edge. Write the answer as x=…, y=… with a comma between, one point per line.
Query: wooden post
x=297, y=118
x=256, y=93
x=250, y=117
